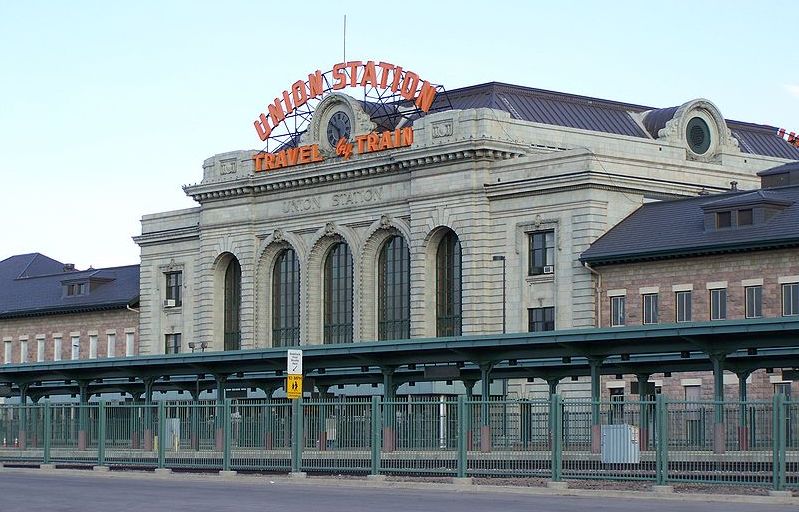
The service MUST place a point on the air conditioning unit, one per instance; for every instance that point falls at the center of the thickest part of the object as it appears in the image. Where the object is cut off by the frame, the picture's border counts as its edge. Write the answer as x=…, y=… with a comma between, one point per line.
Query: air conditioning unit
x=169, y=303
x=549, y=269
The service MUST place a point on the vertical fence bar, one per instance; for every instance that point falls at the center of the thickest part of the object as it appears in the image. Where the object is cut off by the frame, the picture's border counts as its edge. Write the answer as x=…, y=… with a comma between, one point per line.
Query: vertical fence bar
x=101, y=435
x=161, y=434
x=376, y=429
x=556, y=433
x=778, y=442
x=463, y=432
x=661, y=440
x=48, y=432
x=296, y=437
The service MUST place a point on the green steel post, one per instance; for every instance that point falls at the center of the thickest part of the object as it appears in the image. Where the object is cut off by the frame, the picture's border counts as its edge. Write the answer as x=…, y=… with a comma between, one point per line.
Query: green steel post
x=661, y=440
x=48, y=432
x=296, y=438
x=161, y=434
x=227, y=436
x=556, y=431
x=463, y=431
x=778, y=441
x=376, y=429
x=101, y=419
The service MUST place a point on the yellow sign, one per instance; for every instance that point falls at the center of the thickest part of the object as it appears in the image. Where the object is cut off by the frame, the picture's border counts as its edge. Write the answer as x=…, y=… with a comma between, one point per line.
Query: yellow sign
x=294, y=386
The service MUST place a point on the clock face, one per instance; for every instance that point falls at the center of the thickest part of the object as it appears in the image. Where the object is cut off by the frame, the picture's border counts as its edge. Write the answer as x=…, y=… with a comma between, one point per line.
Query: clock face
x=337, y=127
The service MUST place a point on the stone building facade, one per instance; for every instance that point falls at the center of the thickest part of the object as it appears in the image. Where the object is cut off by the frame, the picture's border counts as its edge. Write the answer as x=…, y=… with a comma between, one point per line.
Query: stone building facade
x=515, y=174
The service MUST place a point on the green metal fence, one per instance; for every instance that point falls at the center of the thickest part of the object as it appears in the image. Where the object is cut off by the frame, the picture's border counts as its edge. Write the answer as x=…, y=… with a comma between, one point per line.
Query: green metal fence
x=748, y=443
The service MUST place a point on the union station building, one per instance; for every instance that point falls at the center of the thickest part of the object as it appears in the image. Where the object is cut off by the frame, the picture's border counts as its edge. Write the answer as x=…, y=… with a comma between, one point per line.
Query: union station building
x=467, y=219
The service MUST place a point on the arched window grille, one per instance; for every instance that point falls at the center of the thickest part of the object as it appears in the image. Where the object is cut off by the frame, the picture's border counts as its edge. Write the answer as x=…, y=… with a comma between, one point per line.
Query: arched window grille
x=338, y=295
x=449, y=316
x=394, y=290
x=233, y=305
x=286, y=300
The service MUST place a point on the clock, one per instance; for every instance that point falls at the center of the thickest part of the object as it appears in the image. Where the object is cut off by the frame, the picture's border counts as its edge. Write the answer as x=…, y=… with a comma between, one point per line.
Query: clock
x=338, y=126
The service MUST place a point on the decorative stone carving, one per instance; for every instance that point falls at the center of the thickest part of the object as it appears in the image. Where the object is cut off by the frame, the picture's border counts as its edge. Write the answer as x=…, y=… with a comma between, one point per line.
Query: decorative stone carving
x=385, y=222
x=721, y=136
x=442, y=129
x=227, y=167
x=277, y=235
x=330, y=229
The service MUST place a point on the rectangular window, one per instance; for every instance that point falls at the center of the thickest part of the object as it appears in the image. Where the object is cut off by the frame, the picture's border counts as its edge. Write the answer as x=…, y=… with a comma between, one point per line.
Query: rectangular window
x=683, y=300
x=56, y=348
x=23, y=351
x=745, y=217
x=7, y=355
x=783, y=388
x=541, y=319
x=172, y=344
x=754, y=301
x=723, y=219
x=174, y=282
x=718, y=304
x=617, y=313
x=650, y=309
x=790, y=299
x=75, y=347
x=542, y=252
x=111, y=345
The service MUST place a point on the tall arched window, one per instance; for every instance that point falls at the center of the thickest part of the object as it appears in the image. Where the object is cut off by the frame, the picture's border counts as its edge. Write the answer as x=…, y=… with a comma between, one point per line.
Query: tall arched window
x=286, y=300
x=338, y=295
x=233, y=305
x=448, y=286
x=394, y=290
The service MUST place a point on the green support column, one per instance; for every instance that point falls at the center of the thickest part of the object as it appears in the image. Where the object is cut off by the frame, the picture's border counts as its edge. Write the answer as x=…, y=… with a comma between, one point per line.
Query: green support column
x=22, y=435
x=376, y=445
x=485, y=411
x=389, y=418
x=266, y=420
x=661, y=440
x=595, y=363
x=48, y=432
x=743, y=429
x=101, y=433
x=643, y=410
x=556, y=435
x=469, y=385
x=553, y=382
x=322, y=417
x=778, y=448
x=719, y=432
x=226, y=434
x=148, y=413
x=195, y=420
x=83, y=424
x=463, y=430
x=135, y=409
x=161, y=434
x=221, y=380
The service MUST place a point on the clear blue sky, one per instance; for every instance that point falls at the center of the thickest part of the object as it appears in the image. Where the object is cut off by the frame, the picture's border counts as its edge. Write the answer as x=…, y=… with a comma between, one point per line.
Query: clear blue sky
x=109, y=107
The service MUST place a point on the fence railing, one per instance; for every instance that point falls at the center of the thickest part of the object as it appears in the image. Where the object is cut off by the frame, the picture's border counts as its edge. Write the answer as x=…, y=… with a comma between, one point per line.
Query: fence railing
x=751, y=443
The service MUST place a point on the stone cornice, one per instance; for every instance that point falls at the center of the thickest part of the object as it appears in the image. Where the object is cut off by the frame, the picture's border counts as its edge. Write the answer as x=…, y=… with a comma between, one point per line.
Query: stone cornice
x=168, y=235
x=339, y=171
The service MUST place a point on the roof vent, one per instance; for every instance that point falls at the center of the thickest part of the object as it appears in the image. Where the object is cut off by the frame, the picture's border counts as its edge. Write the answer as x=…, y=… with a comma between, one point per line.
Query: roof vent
x=69, y=267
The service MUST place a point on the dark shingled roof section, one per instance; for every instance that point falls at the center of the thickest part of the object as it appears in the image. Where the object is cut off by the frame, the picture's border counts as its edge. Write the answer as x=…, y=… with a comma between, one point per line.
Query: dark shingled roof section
x=573, y=111
x=669, y=229
x=792, y=166
x=32, y=284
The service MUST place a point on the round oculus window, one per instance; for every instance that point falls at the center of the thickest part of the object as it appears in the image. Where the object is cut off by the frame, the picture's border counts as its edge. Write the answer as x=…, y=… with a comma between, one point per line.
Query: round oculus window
x=698, y=134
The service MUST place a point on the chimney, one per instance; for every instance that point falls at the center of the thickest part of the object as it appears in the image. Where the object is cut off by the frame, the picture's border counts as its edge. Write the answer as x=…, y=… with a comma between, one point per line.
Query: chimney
x=733, y=185
x=69, y=267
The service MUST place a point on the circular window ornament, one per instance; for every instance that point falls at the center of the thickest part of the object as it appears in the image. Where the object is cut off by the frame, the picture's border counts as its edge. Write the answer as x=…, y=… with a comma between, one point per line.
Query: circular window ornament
x=697, y=133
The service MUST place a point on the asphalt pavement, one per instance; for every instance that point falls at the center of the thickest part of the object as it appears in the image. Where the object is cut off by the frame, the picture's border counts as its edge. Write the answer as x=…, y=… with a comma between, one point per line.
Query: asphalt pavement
x=33, y=491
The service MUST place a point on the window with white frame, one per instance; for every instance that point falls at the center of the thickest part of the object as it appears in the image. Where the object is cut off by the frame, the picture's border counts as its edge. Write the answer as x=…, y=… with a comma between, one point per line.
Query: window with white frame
x=683, y=303
x=790, y=299
x=650, y=308
x=617, y=310
x=541, y=252
x=718, y=304
x=111, y=344
x=75, y=347
x=754, y=301
x=7, y=355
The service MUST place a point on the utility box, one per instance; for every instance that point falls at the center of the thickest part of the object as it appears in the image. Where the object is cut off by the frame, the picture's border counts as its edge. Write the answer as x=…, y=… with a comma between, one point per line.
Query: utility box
x=620, y=444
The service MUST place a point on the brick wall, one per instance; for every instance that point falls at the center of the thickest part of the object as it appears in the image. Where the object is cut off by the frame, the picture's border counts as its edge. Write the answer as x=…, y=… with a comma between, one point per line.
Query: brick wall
x=99, y=323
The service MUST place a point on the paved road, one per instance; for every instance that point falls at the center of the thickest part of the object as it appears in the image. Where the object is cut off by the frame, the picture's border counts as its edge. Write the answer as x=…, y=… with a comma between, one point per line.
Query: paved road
x=32, y=492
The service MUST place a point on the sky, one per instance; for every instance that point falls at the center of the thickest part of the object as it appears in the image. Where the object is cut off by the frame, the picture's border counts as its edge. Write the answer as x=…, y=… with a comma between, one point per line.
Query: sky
x=108, y=108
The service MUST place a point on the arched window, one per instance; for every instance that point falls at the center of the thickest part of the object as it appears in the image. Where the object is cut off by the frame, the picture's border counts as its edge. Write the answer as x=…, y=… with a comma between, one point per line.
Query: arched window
x=233, y=305
x=286, y=300
x=448, y=286
x=394, y=290
x=338, y=295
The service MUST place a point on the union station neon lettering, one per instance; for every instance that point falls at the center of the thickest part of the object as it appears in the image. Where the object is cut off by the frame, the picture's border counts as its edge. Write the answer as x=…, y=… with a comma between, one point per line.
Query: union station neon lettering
x=356, y=73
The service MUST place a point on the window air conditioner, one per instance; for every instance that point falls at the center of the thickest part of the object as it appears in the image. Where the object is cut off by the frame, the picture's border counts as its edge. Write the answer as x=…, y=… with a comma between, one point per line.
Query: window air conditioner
x=169, y=303
x=549, y=269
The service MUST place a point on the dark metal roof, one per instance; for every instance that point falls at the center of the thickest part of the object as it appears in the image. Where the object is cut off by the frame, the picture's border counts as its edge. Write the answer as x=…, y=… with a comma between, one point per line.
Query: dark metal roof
x=675, y=228
x=782, y=169
x=595, y=114
x=33, y=284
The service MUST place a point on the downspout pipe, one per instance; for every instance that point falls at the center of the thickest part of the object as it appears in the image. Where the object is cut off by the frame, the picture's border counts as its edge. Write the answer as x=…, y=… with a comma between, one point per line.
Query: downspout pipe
x=598, y=288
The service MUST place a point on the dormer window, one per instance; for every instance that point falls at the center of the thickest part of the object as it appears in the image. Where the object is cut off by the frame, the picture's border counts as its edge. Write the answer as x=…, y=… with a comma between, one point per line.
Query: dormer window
x=75, y=289
x=745, y=217
x=723, y=220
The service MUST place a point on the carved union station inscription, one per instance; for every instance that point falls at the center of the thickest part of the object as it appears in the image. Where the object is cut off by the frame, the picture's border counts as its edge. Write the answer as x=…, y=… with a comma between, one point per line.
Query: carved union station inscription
x=330, y=201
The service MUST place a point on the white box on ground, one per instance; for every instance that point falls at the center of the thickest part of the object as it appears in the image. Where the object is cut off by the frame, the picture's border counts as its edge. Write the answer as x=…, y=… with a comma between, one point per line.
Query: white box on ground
x=620, y=444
